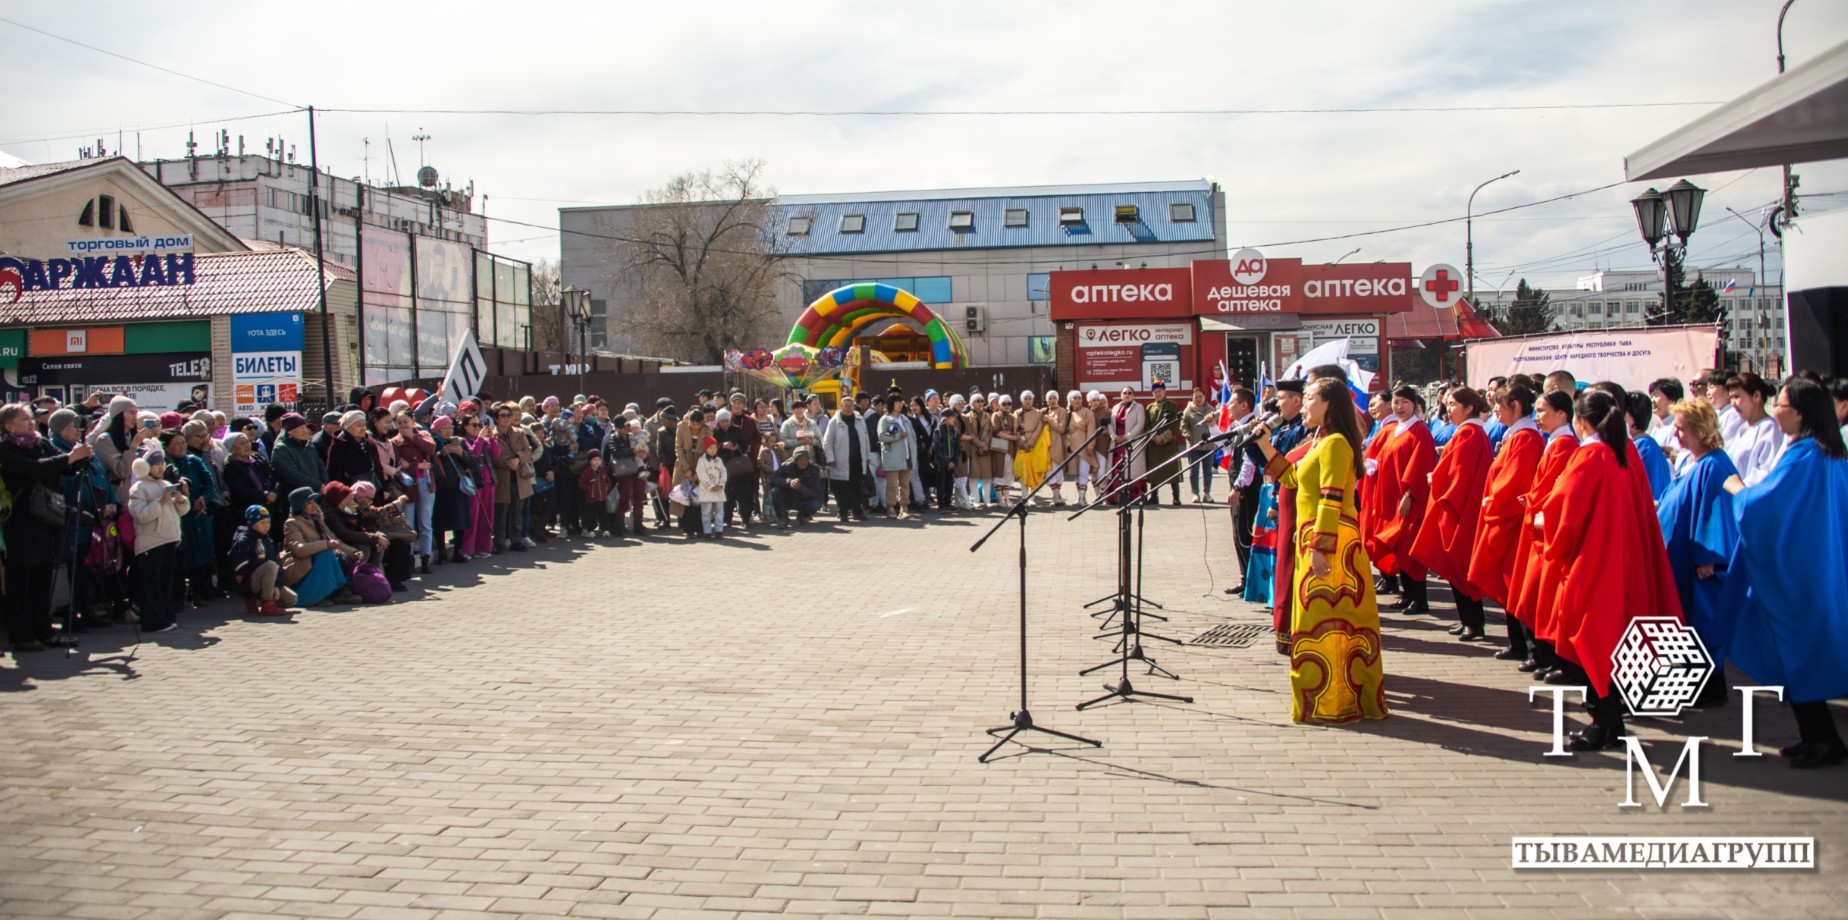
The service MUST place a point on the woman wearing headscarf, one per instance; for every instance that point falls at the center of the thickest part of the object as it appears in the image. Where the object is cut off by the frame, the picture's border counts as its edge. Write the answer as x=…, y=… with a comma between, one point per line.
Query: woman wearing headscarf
x=450, y=513
x=1058, y=423
x=1034, y=456
x=1448, y=534
x=249, y=479
x=1403, y=481
x=1531, y=593
x=1336, y=673
x=1128, y=468
x=1788, y=575
x=978, y=438
x=349, y=453
x=415, y=450
x=1498, y=527
x=1701, y=532
x=1007, y=429
x=314, y=561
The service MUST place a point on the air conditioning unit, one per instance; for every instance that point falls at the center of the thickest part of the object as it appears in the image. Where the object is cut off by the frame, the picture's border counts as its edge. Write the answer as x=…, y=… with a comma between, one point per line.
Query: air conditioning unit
x=975, y=317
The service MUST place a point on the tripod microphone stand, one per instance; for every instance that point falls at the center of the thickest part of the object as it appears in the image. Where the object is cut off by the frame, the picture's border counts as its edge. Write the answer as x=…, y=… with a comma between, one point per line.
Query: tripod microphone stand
x=1133, y=448
x=1022, y=718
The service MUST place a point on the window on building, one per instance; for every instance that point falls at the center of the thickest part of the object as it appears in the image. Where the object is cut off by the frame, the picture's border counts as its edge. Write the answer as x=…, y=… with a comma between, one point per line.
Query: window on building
x=1071, y=217
x=1128, y=214
x=122, y=222
x=1181, y=212
x=1039, y=286
x=1635, y=308
x=105, y=212
x=1594, y=308
x=1015, y=218
x=853, y=223
x=962, y=221
x=88, y=217
x=905, y=222
x=799, y=225
x=1576, y=311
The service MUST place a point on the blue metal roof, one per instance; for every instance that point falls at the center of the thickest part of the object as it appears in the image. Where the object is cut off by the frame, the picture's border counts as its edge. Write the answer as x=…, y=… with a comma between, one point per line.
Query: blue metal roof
x=989, y=208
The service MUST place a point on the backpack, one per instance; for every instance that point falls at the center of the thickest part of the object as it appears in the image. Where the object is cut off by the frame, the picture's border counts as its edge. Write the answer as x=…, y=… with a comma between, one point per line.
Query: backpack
x=369, y=583
x=106, y=550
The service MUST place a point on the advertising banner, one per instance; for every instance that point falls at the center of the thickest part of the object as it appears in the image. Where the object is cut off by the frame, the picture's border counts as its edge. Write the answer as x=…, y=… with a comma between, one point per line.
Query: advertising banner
x=1111, y=356
x=385, y=297
x=1124, y=293
x=1631, y=357
x=264, y=377
x=262, y=332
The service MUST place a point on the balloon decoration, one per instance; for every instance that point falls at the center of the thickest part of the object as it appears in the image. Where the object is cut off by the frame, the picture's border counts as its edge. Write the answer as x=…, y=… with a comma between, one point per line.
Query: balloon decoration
x=411, y=395
x=836, y=317
x=796, y=367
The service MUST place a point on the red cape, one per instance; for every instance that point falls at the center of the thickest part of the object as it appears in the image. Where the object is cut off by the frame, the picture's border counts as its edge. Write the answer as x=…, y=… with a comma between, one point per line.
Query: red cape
x=1498, y=529
x=1371, y=511
x=1525, y=589
x=1660, y=596
x=1283, y=585
x=1596, y=543
x=1448, y=533
x=1406, y=463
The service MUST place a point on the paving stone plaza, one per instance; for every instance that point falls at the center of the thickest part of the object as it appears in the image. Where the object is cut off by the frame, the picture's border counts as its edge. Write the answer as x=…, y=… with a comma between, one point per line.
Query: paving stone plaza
x=788, y=723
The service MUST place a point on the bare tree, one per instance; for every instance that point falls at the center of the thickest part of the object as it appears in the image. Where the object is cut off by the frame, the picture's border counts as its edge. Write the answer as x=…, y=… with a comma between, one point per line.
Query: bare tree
x=700, y=265
x=548, y=316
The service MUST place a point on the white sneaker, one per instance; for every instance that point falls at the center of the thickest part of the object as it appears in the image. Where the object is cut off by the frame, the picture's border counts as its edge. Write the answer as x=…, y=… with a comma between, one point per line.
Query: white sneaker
x=528, y=541
x=170, y=627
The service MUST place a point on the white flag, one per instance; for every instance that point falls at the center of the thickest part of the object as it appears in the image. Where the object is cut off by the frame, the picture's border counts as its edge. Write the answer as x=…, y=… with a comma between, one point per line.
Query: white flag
x=466, y=372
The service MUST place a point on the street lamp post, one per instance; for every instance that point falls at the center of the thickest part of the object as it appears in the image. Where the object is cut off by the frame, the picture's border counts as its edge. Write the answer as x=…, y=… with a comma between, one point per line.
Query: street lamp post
x=1469, y=235
x=1345, y=255
x=1663, y=217
x=580, y=315
x=1760, y=358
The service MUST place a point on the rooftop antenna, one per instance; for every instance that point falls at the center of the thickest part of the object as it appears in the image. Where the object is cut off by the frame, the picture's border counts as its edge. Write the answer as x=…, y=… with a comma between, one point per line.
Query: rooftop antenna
x=191, y=145
x=393, y=151
x=420, y=137
x=366, y=159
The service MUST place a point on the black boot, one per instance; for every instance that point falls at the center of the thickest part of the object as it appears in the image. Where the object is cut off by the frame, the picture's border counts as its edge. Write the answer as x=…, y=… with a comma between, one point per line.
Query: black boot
x=425, y=568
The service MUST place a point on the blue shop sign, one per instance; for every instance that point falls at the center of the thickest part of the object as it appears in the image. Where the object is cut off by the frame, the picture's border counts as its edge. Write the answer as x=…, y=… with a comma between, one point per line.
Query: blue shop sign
x=266, y=332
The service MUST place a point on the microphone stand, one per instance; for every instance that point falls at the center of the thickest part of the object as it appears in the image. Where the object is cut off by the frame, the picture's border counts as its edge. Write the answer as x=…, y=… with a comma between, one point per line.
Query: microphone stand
x=1022, y=719
x=1132, y=449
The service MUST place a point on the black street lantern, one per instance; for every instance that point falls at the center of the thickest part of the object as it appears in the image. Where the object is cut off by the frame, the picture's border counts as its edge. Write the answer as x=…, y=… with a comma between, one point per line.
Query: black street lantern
x=1649, y=216
x=1684, y=199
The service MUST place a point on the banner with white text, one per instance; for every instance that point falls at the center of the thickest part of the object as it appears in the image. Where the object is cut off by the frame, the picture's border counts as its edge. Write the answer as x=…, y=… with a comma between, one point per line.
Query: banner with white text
x=1632, y=357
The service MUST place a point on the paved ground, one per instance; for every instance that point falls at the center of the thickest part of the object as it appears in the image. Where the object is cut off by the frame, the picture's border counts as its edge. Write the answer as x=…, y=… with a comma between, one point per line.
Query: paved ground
x=789, y=724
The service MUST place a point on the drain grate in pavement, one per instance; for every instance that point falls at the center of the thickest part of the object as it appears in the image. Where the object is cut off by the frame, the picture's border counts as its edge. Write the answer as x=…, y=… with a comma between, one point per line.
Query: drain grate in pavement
x=1232, y=635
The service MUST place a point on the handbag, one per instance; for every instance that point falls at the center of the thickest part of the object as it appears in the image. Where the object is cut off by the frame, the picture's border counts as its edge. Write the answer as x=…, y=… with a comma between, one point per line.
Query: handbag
x=739, y=465
x=624, y=467
x=47, y=506
x=998, y=443
x=465, y=481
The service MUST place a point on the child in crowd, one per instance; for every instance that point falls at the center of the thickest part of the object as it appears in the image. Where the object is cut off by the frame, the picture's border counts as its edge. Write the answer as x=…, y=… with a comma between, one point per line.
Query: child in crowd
x=256, y=566
x=711, y=475
x=593, y=492
x=156, y=506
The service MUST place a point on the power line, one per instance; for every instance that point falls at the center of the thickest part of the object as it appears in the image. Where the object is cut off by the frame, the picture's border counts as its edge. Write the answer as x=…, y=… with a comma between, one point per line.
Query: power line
x=131, y=60
x=881, y=113
x=84, y=135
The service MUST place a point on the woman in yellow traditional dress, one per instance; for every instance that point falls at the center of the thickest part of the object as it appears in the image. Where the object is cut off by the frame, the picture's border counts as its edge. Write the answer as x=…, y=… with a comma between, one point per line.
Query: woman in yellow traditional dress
x=1336, y=675
x=1033, y=459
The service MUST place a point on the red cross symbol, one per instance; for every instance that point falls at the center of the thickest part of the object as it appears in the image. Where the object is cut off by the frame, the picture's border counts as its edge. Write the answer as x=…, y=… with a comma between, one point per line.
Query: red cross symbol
x=1442, y=285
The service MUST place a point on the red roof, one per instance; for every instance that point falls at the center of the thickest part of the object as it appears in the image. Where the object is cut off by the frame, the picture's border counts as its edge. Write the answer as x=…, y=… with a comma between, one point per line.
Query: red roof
x=1424, y=321
x=274, y=281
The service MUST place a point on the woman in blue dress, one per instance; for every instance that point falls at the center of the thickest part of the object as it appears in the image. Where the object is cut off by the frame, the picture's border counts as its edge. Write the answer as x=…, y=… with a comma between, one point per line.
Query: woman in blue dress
x=1700, y=528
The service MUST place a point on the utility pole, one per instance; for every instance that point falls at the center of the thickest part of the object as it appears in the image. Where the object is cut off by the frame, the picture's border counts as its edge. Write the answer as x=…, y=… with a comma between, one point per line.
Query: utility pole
x=320, y=264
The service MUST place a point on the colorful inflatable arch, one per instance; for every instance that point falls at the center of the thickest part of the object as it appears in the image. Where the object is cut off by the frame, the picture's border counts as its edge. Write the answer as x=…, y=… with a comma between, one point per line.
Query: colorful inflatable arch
x=839, y=315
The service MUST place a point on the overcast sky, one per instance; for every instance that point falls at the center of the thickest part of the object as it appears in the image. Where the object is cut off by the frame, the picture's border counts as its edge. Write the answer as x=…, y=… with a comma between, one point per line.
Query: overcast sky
x=1287, y=177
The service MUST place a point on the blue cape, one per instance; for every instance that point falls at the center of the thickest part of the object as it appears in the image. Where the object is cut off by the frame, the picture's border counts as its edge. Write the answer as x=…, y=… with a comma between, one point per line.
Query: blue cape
x=1791, y=574
x=1655, y=463
x=1701, y=527
x=1496, y=431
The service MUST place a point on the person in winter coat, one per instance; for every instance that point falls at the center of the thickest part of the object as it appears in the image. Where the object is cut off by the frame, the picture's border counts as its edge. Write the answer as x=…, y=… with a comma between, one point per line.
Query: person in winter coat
x=198, y=548
x=296, y=464
x=349, y=452
x=314, y=561
x=710, y=473
x=416, y=455
x=594, y=491
x=483, y=449
x=157, y=506
x=798, y=485
x=513, y=477
x=849, y=452
x=449, y=518
x=256, y=568
x=29, y=461
x=119, y=440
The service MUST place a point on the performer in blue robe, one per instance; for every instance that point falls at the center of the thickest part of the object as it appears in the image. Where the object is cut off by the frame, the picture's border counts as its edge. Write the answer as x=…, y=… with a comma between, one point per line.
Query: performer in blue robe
x=1655, y=463
x=1788, y=573
x=1262, y=567
x=1702, y=532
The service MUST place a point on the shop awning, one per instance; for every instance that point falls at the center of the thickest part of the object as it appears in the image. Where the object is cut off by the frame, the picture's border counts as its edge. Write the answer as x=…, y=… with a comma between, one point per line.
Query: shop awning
x=1422, y=321
x=1798, y=117
x=1471, y=325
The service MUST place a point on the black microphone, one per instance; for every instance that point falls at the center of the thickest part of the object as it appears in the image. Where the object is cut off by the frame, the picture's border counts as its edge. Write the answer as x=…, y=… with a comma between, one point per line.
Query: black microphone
x=1249, y=428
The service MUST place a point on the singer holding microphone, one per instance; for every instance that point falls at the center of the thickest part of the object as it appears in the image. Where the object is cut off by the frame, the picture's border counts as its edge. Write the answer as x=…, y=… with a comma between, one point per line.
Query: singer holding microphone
x=1336, y=673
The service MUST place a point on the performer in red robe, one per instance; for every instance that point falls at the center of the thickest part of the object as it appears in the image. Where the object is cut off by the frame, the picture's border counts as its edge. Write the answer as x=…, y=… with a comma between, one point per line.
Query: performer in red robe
x=1403, y=487
x=1657, y=595
x=1284, y=582
x=1498, y=529
x=1380, y=409
x=1595, y=543
x=1448, y=533
x=1553, y=413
